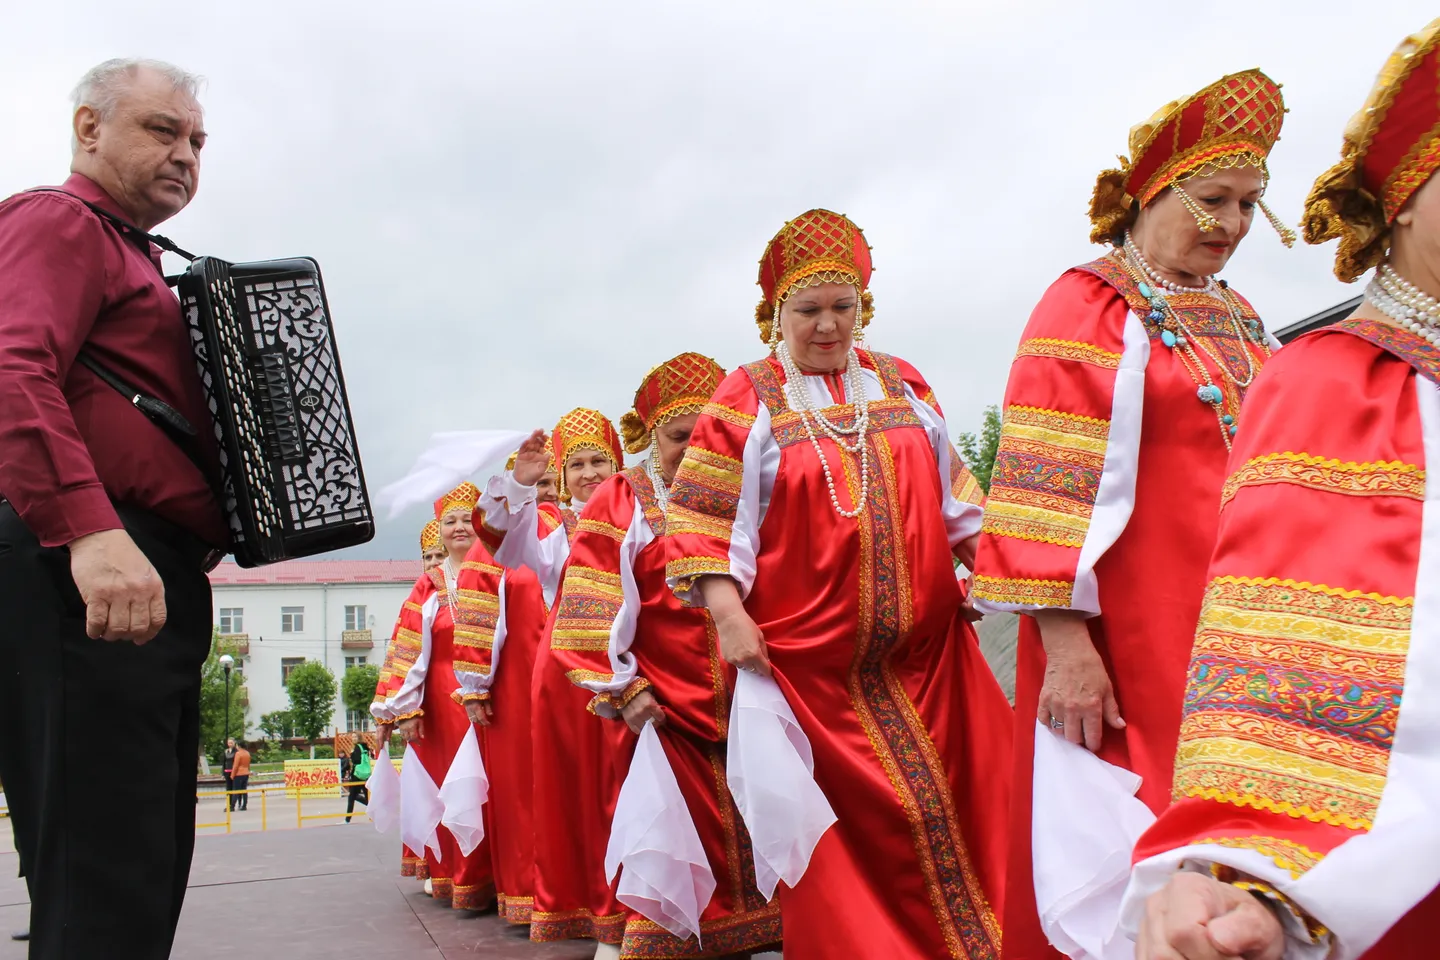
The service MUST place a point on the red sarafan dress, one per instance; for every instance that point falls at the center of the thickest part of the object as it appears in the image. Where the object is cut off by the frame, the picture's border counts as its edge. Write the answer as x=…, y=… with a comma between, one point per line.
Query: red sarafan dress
x=1309, y=756
x=670, y=650
x=418, y=680
x=908, y=727
x=1104, y=500
x=574, y=779
x=503, y=614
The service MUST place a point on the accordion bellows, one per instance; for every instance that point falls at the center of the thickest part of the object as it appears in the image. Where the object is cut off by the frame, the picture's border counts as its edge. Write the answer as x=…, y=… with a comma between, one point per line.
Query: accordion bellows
x=292, y=484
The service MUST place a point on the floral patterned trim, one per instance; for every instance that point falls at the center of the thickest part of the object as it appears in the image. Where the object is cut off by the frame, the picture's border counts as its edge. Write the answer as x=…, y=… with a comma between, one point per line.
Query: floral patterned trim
x=684, y=571
x=1075, y=350
x=1021, y=592
x=1388, y=478
x=590, y=600
x=579, y=924
x=752, y=931
x=602, y=528
x=639, y=479
x=1415, y=350
x=1288, y=855
x=514, y=910
x=1292, y=699
x=475, y=897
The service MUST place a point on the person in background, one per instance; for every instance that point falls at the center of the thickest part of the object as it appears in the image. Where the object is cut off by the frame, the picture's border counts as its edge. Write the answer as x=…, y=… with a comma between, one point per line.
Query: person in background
x=107, y=527
x=1304, y=815
x=228, y=768
x=355, y=773
x=240, y=800
x=1123, y=400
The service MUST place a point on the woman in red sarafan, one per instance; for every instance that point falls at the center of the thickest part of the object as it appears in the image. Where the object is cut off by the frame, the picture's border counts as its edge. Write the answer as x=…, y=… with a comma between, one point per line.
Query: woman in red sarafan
x=574, y=777
x=501, y=615
x=621, y=634
x=417, y=694
x=1309, y=762
x=817, y=514
x=1122, y=403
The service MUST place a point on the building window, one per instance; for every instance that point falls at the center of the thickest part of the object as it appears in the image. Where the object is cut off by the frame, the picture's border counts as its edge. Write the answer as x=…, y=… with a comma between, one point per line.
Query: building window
x=287, y=664
x=355, y=661
x=357, y=720
x=355, y=618
x=232, y=620
x=292, y=619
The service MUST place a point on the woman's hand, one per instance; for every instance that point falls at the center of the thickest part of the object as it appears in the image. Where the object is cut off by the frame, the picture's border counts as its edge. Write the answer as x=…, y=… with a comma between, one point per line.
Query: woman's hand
x=412, y=729
x=741, y=642
x=480, y=711
x=967, y=600
x=531, y=460
x=1195, y=917
x=383, y=730
x=642, y=707
x=1077, y=699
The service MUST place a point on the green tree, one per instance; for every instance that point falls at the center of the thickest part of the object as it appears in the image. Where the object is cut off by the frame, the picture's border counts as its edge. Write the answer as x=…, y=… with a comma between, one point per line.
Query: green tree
x=212, y=702
x=979, y=452
x=312, y=698
x=277, y=724
x=357, y=689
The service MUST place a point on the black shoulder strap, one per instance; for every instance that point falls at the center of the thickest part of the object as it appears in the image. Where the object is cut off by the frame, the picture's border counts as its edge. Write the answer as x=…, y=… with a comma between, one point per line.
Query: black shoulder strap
x=171, y=421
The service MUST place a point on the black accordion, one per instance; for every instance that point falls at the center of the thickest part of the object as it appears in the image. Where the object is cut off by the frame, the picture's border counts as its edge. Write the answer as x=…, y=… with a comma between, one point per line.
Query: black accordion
x=291, y=484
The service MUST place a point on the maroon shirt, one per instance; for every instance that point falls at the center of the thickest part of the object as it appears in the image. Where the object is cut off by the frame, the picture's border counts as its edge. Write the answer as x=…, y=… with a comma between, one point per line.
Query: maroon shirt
x=70, y=444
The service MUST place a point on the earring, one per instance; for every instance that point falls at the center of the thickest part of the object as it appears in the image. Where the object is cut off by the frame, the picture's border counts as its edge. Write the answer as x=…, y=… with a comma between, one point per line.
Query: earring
x=1287, y=236
x=775, y=328
x=1207, y=223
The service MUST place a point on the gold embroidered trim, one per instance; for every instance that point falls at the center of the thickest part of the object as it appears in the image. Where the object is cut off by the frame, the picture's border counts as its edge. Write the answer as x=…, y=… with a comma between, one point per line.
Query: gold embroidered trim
x=729, y=415
x=1285, y=854
x=1390, y=478
x=602, y=528
x=1075, y=350
x=1034, y=593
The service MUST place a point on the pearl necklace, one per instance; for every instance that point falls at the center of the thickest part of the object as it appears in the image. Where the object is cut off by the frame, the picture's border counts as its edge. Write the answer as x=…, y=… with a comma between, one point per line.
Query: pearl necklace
x=1156, y=280
x=1406, y=304
x=452, y=585
x=797, y=394
x=657, y=479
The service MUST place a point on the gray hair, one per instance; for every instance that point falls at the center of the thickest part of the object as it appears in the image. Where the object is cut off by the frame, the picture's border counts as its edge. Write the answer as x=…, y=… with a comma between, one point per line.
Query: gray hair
x=102, y=86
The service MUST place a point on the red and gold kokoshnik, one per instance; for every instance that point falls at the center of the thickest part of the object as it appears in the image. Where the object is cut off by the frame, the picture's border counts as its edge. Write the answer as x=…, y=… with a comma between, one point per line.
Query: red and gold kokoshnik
x=676, y=387
x=816, y=247
x=1231, y=123
x=430, y=536
x=1391, y=148
x=585, y=429
x=463, y=497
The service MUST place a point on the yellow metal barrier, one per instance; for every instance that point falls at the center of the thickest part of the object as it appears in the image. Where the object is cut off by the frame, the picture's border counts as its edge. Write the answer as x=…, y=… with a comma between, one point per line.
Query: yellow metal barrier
x=300, y=815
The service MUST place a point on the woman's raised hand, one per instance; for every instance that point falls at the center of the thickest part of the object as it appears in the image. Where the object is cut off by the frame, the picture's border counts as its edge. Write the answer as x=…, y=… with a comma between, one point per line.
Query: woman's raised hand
x=531, y=460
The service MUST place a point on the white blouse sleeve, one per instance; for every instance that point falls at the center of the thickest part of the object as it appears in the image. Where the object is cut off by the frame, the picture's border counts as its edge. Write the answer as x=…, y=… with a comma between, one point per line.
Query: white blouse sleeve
x=407, y=700
x=510, y=512
x=622, y=629
x=962, y=519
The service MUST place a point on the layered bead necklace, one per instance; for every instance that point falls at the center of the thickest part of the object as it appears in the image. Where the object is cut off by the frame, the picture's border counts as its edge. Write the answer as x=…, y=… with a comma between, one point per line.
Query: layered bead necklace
x=452, y=586
x=657, y=478
x=797, y=394
x=1179, y=338
x=1406, y=304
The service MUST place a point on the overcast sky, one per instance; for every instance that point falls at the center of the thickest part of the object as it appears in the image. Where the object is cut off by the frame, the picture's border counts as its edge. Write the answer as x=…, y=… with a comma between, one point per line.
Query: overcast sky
x=520, y=208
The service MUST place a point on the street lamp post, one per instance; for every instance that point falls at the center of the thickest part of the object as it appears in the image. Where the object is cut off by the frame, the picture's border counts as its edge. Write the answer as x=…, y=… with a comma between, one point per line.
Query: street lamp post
x=227, y=662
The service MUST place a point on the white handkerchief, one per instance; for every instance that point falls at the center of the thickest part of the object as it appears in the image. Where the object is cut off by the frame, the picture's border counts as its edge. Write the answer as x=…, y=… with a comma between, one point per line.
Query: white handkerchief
x=666, y=875
x=420, y=806
x=450, y=459
x=464, y=792
x=771, y=773
x=1085, y=821
x=384, y=787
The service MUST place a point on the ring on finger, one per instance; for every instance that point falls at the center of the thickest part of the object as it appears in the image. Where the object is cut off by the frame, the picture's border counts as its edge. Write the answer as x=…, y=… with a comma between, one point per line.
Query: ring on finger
x=1056, y=724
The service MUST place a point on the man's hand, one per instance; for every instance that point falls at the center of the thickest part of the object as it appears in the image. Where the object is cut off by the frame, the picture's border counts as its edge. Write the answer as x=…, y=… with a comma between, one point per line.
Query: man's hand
x=480, y=711
x=531, y=460
x=124, y=598
x=642, y=707
x=1195, y=917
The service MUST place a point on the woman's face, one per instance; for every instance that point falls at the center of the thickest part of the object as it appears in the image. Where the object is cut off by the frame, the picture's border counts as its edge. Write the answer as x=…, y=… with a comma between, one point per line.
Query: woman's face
x=585, y=470
x=433, y=557
x=1170, y=239
x=672, y=437
x=457, y=532
x=818, y=324
x=1415, y=243
x=546, y=489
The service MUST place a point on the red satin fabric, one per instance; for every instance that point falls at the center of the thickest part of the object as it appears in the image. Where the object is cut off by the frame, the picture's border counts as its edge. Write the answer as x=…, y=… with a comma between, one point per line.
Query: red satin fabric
x=508, y=749
x=468, y=882
x=676, y=652
x=576, y=786
x=909, y=729
x=1151, y=583
x=1329, y=395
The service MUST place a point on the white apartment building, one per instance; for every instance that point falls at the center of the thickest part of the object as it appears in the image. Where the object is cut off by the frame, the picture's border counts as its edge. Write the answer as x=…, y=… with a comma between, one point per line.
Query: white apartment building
x=339, y=612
